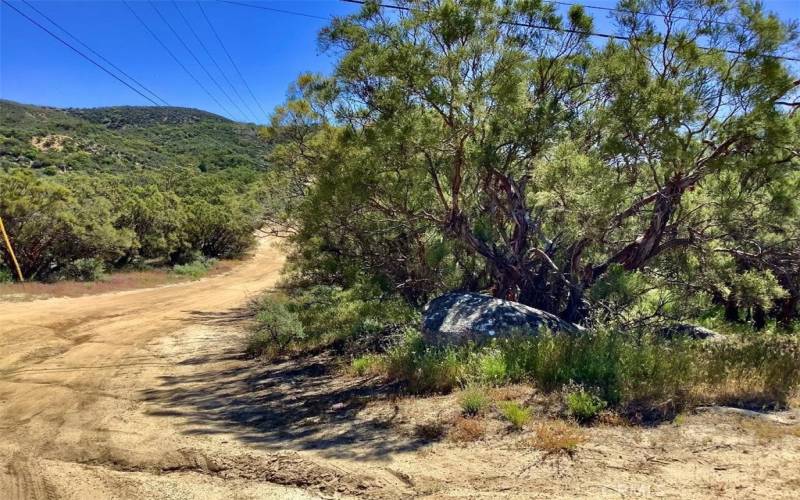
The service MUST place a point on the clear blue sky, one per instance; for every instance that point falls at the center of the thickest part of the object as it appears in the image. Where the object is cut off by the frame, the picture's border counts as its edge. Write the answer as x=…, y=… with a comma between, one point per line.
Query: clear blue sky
x=271, y=49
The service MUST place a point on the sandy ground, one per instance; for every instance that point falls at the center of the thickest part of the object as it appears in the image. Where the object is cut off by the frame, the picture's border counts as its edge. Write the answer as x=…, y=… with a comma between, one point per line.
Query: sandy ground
x=145, y=394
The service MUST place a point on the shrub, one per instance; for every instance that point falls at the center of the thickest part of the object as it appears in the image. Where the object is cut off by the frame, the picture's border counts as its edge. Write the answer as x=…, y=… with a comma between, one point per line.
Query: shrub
x=492, y=367
x=87, y=269
x=557, y=437
x=466, y=430
x=5, y=275
x=517, y=415
x=351, y=320
x=366, y=365
x=582, y=405
x=276, y=329
x=431, y=431
x=635, y=374
x=194, y=270
x=473, y=401
x=424, y=369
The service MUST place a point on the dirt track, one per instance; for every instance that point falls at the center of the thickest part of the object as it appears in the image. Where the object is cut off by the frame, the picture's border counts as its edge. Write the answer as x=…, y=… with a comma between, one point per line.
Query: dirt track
x=144, y=394
x=75, y=420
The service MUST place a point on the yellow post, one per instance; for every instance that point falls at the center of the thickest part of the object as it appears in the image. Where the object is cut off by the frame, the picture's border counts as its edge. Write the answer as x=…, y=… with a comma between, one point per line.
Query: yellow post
x=10, y=250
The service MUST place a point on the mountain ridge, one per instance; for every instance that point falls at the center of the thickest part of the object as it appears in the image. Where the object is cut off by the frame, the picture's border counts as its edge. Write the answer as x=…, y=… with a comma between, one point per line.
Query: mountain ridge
x=124, y=137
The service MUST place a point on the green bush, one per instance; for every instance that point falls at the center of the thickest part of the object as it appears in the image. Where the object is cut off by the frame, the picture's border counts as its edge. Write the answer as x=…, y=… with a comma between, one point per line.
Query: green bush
x=425, y=369
x=88, y=269
x=622, y=370
x=492, y=367
x=194, y=270
x=582, y=405
x=473, y=401
x=352, y=318
x=517, y=415
x=277, y=328
x=6, y=276
x=365, y=365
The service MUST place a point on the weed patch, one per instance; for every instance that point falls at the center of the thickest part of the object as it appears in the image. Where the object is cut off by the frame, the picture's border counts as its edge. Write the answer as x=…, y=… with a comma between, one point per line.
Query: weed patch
x=474, y=401
x=467, y=430
x=517, y=415
x=557, y=436
x=276, y=329
x=195, y=269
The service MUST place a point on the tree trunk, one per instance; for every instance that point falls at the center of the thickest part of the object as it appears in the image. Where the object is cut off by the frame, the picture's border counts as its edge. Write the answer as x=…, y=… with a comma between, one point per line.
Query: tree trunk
x=732, y=311
x=759, y=318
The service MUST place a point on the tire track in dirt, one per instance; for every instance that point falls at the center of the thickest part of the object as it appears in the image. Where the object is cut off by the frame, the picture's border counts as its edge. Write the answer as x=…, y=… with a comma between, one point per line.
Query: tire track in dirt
x=72, y=418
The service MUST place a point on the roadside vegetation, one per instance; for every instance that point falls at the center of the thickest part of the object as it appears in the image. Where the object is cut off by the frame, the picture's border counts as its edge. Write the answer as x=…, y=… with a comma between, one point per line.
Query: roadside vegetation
x=629, y=187
x=88, y=192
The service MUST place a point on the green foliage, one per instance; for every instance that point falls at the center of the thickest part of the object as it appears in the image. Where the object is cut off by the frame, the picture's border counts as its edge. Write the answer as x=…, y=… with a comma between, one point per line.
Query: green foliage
x=87, y=269
x=117, y=219
x=582, y=405
x=5, y=275
x=516, y=414
x=425, y=369
x=454, y=147
x=624, y=370
x=123, y=139
x=276, y=329
x=195, y=269
x=366, y=365
x=123, y=185
x=474, y=401
x=492, y=367
x=349, y=318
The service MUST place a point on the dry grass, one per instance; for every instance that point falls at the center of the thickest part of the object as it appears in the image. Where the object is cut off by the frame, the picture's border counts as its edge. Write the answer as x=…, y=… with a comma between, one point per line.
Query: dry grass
x=115, y=282
x=766, y=432
x=467, y=430
x=431, y=431
x=557, y=436
x=510, y=392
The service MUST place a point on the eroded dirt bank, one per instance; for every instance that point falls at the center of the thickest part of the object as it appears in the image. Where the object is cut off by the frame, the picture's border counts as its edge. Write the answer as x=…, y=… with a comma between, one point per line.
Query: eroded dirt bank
x=144, y=394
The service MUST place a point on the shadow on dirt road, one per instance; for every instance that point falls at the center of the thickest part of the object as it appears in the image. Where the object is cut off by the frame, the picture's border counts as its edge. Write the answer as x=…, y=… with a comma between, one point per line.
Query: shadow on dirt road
x=297, y=404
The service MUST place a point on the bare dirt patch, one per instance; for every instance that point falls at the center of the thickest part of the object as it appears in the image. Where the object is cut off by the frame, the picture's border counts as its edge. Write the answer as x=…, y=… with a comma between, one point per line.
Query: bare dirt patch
x=50, y=142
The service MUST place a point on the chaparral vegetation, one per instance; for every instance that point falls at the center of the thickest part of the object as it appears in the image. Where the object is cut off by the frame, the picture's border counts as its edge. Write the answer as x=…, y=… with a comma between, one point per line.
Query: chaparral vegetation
x=629, y=185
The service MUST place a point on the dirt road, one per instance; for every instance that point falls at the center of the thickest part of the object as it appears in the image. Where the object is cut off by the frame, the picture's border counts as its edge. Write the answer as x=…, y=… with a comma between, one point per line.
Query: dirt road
x=75, y=420
x=145, y=394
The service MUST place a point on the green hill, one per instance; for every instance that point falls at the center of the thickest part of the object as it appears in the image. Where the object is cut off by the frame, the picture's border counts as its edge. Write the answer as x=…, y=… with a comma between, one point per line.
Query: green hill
x=123, y=138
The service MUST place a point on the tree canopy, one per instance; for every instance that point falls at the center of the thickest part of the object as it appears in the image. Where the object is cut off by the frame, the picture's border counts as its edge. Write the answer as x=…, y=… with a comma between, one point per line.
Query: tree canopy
x=499, y=146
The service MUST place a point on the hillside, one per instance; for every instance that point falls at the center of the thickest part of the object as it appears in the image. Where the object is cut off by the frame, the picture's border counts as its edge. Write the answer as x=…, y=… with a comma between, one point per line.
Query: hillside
x=123, y=138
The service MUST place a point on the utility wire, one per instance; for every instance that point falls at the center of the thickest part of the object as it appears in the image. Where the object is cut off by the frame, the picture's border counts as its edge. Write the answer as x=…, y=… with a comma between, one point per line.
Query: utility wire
x=282, y=11
x=208, y=53
x=174, y=57
x=645, y=13
x=79, y=52
x=191, y=53
x=120, y=70
x=233, y=63
x=580, y=32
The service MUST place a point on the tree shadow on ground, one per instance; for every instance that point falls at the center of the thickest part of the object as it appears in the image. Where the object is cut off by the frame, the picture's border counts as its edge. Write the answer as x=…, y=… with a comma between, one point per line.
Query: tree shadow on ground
x=298, y=404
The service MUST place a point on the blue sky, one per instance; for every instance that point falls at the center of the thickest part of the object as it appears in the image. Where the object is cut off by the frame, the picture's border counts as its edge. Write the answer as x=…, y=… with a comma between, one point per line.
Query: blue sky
x=271, y=49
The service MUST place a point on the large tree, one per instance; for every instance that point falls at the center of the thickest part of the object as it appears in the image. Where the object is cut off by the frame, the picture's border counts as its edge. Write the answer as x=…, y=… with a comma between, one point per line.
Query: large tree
x=509, y=144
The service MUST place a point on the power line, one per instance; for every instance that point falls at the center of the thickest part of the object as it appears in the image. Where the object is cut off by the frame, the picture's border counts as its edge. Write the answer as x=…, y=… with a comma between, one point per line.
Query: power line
x=134, y=80
x=581, y=32
x=233, y=63
x=174, y=57
x=191, y=53
x=208, y=53
x=281, y=11
x=79, y=52
x=645, y=13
